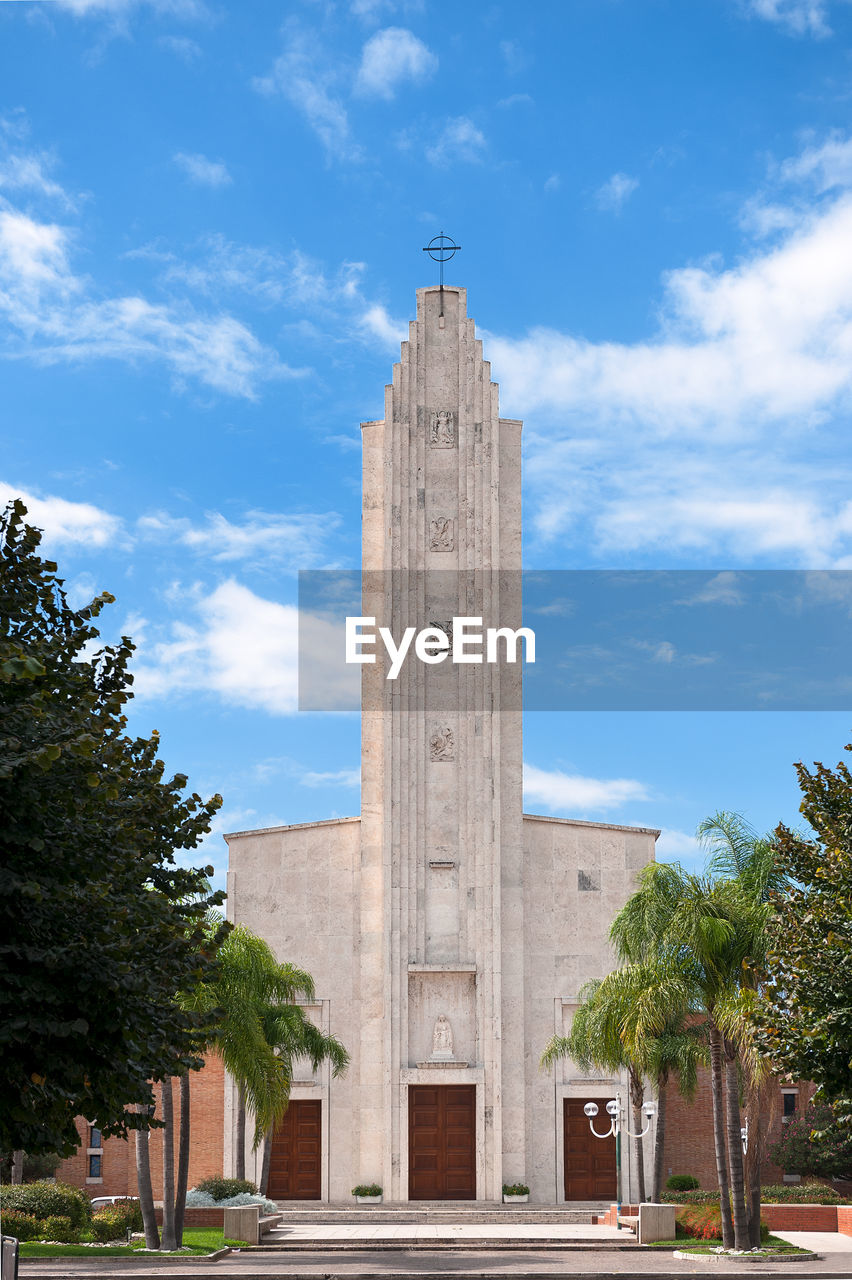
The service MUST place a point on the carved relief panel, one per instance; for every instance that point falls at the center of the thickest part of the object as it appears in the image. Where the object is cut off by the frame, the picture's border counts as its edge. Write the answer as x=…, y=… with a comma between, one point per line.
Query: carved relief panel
x=442, y=429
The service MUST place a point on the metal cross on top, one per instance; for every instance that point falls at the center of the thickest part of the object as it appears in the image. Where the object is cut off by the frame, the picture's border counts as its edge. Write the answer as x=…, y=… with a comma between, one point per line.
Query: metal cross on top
x=440, y=249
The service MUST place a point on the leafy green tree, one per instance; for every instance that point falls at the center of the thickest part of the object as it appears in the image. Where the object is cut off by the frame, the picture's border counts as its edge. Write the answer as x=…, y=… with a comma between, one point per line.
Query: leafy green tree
x=804, y=1016
x=813, y=1143
x=99, y=926
x=621, y=1025
x=702, y=936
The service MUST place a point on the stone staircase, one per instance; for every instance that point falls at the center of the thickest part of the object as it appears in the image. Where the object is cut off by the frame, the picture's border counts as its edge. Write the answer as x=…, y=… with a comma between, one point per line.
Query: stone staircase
x=435, y=1212
x=306, y=1226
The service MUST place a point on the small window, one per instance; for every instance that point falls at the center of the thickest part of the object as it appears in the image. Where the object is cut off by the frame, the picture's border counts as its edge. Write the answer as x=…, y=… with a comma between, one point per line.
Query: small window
x=95, y=1137
x=95, y=1166
x=790, y=1101
x=588, y=881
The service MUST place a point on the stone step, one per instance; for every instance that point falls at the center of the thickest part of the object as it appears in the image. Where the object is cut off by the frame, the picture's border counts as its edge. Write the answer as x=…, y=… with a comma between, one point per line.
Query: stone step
x=443, y=1244
x=444, y=1214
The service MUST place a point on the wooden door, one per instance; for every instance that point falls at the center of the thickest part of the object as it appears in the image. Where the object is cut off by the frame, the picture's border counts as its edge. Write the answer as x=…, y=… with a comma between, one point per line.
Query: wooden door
x=589, y=1161
x=295, y=1167
x=442, y=1142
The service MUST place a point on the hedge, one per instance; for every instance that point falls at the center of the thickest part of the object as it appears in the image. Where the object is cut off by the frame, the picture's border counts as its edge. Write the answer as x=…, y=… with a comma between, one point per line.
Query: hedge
x=48, y=1200
x=226, y=1188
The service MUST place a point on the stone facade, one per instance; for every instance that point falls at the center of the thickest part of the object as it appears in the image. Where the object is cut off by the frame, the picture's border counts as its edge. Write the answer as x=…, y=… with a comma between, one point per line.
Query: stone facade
x=442, y=916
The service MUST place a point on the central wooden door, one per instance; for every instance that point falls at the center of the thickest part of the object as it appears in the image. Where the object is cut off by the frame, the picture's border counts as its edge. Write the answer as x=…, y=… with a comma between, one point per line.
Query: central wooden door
x=295, y=1166
x=442, y=1142
x=589, y=1161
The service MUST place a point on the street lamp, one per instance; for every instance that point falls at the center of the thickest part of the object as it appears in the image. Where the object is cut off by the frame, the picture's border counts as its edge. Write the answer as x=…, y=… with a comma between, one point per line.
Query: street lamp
x=617, y=1125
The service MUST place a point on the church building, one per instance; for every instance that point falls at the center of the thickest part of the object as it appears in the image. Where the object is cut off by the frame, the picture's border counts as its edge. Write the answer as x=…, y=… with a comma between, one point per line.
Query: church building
x=448, y=932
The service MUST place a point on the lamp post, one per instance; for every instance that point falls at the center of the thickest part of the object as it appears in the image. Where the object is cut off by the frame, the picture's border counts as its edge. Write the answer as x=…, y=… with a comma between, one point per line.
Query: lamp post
x=615, y=1111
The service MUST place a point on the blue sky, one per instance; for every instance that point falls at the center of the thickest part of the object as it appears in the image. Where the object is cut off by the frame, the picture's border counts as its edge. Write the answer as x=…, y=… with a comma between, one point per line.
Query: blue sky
x=211, y=220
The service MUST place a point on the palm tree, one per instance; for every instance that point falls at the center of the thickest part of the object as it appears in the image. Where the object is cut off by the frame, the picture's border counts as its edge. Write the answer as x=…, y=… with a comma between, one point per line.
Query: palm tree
x=634, y=1031
x=595, y=1041
x=703, y=936
x=659, y=1038
x=292, y=1036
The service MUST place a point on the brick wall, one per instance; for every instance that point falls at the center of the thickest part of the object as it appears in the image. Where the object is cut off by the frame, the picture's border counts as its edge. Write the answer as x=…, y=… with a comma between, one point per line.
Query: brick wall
x=844, y=1219
x=799, y=1217
x=118, y=1164
x=689, y=1133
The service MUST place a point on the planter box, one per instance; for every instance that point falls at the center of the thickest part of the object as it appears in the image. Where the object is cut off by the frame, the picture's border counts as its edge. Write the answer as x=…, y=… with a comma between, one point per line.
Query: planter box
x=515, y=1199
x=368, y=1199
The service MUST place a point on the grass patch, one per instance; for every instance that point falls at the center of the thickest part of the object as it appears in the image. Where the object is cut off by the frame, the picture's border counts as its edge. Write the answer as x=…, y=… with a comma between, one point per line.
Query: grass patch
x=197, y=1241
x=686, y=1244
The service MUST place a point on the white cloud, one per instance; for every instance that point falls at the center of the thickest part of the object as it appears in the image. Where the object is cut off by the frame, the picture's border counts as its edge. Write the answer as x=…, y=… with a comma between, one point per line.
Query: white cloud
x=390, y=331
x=578, y=794
x=673, y=845
x=615, y=192
x=262, y=536
x=391, y=57
x=182, y=46
x=718, y=435
x=459, y=140
x=827, y=165
x=67, y=523
x=20, y=171
x=57, y=318
x=237, y=645
x=308, y=87
x=204, y=172
x=515, y=57
x=177, y=8
x=802, y=17
x=339, y=778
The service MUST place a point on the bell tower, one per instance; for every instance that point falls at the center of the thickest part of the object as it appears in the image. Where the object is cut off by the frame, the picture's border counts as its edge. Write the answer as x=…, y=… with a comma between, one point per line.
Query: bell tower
x=441, y=901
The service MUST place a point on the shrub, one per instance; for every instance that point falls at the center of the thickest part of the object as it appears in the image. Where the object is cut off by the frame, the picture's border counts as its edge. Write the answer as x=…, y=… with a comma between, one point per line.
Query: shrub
x=812, y=1142
x=801, y=1193
x=111, y=1224
x=59, y=1228
x=49, y=1200
x=682, y=1182
x=367, y=1189
x=225, y=1188
x=515, y=1189
x=201, y=1200
x=690, y=1197
x=124, y=1213
x=701, y=1222
x=23, y=1226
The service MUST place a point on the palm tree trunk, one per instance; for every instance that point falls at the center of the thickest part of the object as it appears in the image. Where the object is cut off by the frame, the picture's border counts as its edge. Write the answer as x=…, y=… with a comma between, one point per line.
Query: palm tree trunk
x=240, y=1170
x=719, y=1137
x=759, y=1097
x=183, y=1159
x=17, y=1172
x=146, y=1193
x=168, y=1165
x=267, y=1160
x=637, y=1097
x=659, y=1139
x=735, y=1147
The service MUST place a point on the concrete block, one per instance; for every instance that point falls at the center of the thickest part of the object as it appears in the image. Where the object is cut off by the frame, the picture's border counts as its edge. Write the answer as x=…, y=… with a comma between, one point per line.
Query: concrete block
x=242, y=1222
x=656, y=1222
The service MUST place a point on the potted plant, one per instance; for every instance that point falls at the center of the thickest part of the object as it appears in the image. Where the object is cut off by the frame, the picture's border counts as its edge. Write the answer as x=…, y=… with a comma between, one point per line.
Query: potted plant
x=367, y=1193
x=515, y=1193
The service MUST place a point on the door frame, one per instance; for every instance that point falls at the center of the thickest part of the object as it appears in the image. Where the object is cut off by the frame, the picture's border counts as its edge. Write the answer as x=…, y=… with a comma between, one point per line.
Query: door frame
x=437, y=1076
x=600, y=1090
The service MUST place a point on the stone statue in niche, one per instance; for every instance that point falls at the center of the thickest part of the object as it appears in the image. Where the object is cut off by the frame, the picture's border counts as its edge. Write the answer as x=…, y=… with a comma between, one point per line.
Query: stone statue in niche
x=442, y=434
x=442, y=1038
x=446, y=626
x=442, y=744
x=442, y=534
